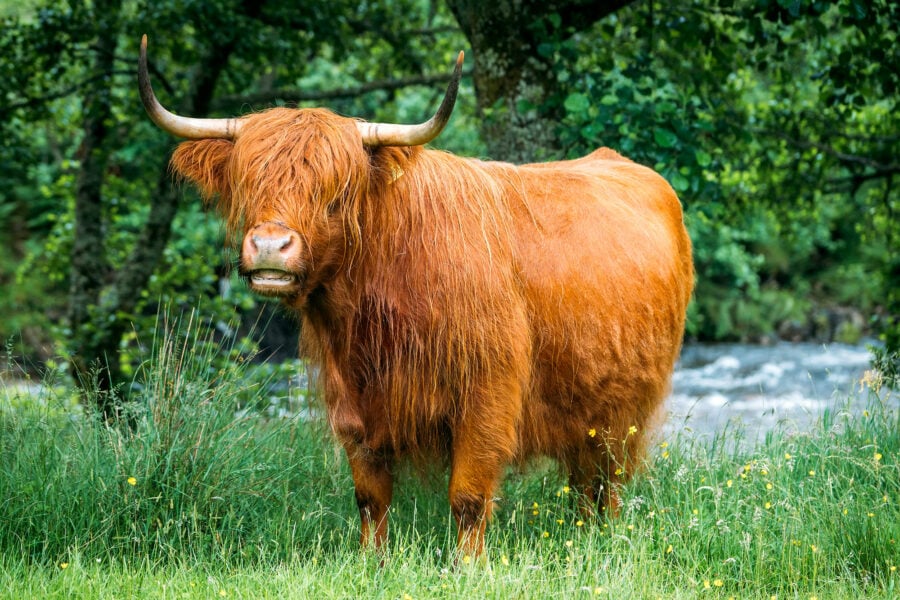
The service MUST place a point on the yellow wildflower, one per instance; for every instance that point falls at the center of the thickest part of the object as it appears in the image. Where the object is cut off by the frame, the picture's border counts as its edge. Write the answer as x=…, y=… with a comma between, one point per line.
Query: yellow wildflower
x=579, y=523
x=632, y=430
x=132, y=481
x=592, y=432
x=878, y=456
x=718, y=583
x=504, y=560
x=63, y=565
x=729, y=483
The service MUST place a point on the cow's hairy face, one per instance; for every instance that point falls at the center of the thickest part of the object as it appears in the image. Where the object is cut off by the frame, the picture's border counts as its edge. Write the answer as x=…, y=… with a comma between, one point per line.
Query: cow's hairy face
x=289, y=189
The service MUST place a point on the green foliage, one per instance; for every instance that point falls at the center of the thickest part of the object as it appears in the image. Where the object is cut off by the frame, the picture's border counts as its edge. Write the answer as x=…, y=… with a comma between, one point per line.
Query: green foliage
x=779, y=142
x=886, y=361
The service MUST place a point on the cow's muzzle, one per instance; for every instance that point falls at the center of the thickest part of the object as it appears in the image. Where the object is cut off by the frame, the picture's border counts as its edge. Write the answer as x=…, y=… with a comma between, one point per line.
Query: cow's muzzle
x=270, y=256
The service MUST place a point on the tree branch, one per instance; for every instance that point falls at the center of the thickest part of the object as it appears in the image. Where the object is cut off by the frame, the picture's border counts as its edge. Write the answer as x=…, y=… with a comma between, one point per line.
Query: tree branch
x=34, y=101
x=295, y=96
x=854, y=159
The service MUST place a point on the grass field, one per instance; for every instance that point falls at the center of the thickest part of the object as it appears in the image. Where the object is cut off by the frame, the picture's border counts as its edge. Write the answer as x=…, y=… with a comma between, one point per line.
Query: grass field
x=207, y=496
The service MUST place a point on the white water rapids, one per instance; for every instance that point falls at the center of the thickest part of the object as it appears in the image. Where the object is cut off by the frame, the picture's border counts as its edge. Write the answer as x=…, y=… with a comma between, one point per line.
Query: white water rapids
x=762, y=386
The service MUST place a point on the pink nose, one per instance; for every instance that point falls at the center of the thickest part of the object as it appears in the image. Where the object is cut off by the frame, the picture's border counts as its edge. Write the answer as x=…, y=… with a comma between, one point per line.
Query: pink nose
x=270, y=246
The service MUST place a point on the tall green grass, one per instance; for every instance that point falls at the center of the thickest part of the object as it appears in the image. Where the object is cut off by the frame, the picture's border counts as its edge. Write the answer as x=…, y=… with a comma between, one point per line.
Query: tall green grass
x=203, y=494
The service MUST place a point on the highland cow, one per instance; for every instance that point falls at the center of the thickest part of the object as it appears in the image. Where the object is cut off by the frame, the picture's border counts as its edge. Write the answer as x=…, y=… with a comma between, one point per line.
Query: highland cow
x=477, y=311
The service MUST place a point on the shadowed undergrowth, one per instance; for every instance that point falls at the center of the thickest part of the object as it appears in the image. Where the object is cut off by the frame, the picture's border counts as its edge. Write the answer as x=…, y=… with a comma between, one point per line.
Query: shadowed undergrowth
x=204, y=493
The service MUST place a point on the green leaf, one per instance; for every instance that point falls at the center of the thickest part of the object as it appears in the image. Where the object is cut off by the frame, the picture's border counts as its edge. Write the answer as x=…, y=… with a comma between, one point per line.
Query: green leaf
x=664, y=108
x=546, y=49
x=680, y=183
x=704, y=159
x=664, y=137
x=577, y=103
x=609, y=100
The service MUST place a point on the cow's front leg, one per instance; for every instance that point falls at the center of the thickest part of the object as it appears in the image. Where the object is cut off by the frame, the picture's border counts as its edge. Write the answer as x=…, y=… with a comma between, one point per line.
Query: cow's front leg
x=374, y=484
x=483, y=445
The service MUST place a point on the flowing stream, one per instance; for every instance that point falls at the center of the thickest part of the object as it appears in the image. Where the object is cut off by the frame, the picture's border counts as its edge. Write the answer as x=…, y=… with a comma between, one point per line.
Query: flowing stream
x=763, y=385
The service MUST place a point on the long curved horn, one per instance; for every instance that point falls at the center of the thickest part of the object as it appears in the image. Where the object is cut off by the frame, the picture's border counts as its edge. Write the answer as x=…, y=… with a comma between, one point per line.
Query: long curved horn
x=185, y=127
x=390, y=134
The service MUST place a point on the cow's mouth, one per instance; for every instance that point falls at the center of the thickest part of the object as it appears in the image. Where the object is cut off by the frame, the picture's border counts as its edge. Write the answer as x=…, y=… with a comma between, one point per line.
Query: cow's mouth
x=272, y=280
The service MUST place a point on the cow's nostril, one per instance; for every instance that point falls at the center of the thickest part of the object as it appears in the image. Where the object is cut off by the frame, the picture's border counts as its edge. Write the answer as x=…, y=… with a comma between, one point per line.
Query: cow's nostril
x=271, y=245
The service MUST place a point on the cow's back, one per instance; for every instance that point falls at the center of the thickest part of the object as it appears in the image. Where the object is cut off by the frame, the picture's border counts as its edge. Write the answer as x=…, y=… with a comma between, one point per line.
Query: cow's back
x=605, y=265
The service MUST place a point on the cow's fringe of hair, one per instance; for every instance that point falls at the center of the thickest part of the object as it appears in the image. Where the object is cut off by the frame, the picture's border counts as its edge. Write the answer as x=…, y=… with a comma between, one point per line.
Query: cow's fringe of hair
x=265, y=175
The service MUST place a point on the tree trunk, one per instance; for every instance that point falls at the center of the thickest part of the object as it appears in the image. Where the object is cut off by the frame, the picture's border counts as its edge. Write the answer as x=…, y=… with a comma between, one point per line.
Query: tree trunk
x=89, y=264
x=512, y=41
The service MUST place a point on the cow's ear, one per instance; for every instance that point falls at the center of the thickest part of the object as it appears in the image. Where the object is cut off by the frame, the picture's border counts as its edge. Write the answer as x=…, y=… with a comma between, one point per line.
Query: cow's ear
x=204, y=163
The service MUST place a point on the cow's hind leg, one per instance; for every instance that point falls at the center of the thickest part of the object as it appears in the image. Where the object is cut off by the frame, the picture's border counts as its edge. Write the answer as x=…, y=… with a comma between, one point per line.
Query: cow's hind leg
x=595, y=473
x=374, y=484
x=596, y=493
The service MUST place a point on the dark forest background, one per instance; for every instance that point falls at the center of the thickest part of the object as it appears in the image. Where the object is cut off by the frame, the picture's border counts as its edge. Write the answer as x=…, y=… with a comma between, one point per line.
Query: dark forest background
x=776, y=121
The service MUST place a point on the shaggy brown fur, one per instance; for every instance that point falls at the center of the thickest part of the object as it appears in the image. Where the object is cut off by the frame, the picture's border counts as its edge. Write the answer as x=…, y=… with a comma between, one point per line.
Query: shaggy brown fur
x=483, y=310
